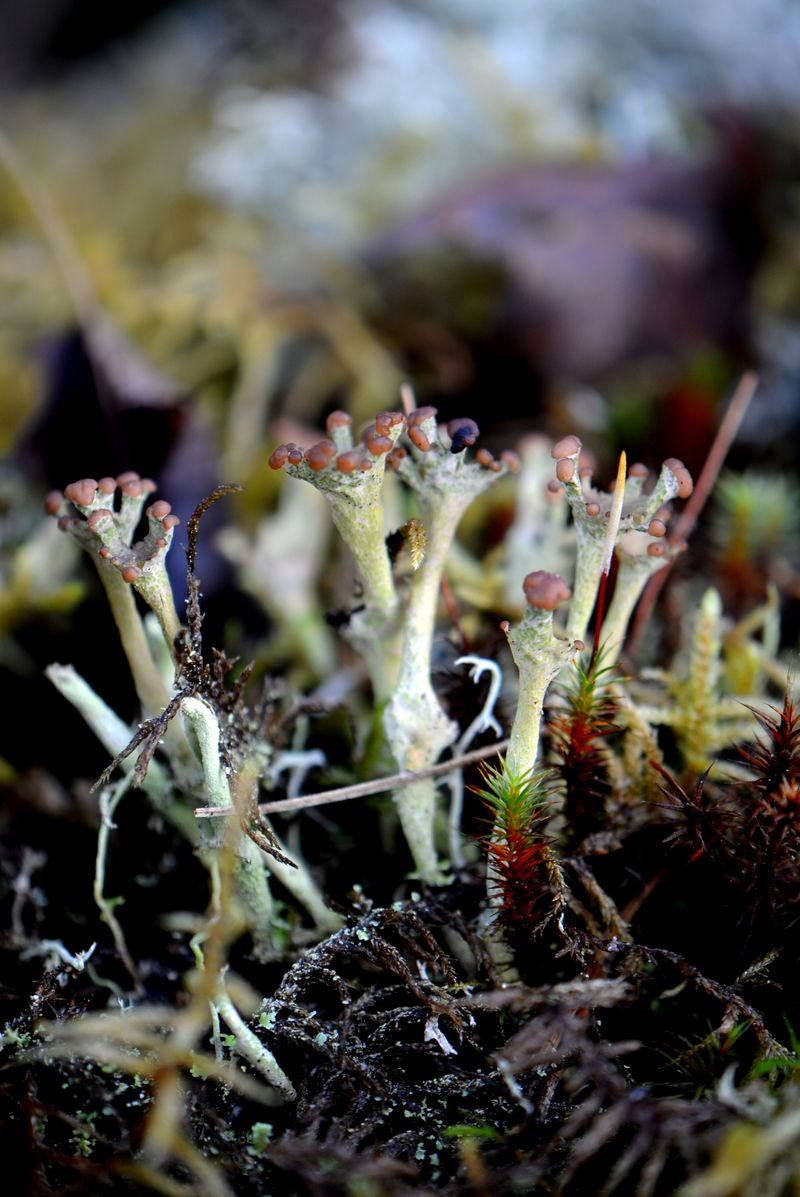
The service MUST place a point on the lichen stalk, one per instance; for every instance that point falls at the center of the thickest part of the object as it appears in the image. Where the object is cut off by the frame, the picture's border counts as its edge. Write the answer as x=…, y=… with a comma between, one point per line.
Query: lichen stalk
x=372, y=630
x=639, y=557
x=351, y=479
x=295, y=875
x=417, y=728
x=151, y=691
x=596, y=512
x=251, y=880
x=539, y=656
x=102, y=516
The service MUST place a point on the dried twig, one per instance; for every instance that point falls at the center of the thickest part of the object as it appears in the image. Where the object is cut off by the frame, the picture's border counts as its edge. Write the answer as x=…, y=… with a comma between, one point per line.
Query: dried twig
x=683, y=526
x=363, y=789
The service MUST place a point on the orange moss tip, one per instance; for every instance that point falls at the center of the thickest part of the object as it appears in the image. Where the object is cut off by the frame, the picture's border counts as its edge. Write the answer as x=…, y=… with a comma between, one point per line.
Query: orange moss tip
x=349, y=461
x=510, y=460
x=544, y=590
x=657, y=527
x=463, y=432
x=386, y=421
x=418, y=438
x=396, y=456
x=82, y=492
x=52, y=502
x=568, y=446
x=376, y=442
x=638, y=470
x=338, y=419
x=682, y=475
x=130, y=573
x=565, y=469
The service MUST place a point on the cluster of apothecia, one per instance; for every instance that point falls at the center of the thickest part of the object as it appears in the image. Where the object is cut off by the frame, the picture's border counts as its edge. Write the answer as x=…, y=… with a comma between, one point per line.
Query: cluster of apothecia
x=641, y=513
x=86, y=510
x=338, y=453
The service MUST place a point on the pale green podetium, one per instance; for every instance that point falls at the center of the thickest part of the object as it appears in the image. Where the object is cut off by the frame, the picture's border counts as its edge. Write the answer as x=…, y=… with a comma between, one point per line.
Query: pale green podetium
x=592, y=512
x=104, y=528
x=417, y=728
x=396, y=638
x=540, y=656
x=351, y=479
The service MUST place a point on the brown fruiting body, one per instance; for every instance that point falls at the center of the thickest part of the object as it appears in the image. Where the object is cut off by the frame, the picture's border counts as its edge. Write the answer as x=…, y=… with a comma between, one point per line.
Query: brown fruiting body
x=565, y=469
x=52, y=502
x=420, y=415
x=568, y=446
x=376, y=443
x=82, y=492
x=348, y=461
x=385, y=421
x=338, y=419
x=132, y=488
x=101, y=516
x=279, y=457
x=544, y=590
x=684, y=478
x=657, y=527
x=463, y=432
x=319, y=456
x=418, y=438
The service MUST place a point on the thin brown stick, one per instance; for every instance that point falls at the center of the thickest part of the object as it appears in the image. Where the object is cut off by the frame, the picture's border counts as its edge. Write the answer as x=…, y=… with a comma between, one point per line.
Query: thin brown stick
x=684, y=525
x=363, y=789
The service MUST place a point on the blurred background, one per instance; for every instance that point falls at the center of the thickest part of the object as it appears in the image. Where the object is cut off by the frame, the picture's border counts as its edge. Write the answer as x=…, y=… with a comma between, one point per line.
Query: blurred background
x=575, y=215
